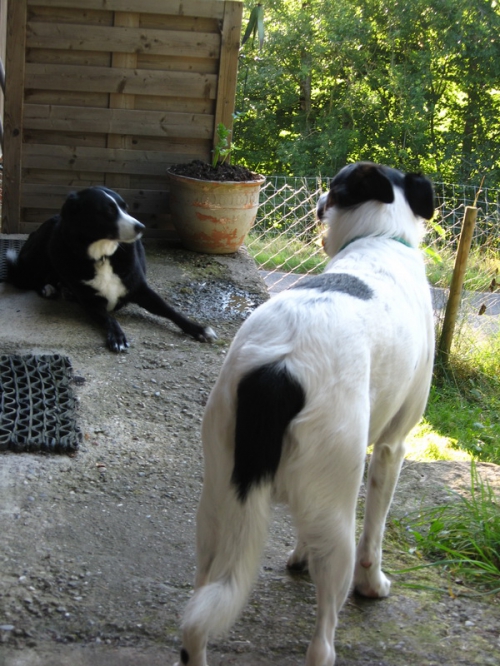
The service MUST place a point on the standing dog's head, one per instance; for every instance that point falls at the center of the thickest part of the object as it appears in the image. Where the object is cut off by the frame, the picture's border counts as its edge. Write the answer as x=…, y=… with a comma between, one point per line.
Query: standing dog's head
x=99, y=214
x=367, y=199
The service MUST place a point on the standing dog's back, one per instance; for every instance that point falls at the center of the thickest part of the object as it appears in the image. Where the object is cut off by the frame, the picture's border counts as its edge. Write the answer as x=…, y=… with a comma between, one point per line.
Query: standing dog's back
x=314, y=376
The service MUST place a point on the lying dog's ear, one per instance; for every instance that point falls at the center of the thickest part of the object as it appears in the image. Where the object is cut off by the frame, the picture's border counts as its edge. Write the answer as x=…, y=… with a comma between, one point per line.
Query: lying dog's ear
x=71, y=205
x=419, y=194
x=359, y=183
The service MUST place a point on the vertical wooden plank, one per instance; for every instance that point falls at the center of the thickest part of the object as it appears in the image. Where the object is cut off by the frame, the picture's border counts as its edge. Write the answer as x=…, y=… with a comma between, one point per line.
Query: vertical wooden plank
x=120, y=100
x=228, y=68
x=3, y=35
x=13, y=115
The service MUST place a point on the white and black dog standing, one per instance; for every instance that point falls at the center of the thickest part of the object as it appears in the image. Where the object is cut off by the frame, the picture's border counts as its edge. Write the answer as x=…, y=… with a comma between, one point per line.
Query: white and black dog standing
x=313, y=377
x=93, y=250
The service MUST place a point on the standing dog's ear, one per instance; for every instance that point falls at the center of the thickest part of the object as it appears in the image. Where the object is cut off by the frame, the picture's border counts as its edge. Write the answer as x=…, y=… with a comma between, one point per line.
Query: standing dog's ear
x=359, y=183
x=420, y=195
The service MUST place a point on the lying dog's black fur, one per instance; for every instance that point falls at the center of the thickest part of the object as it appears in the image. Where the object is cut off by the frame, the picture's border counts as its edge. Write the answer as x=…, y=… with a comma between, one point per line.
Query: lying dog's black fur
x=92, y=249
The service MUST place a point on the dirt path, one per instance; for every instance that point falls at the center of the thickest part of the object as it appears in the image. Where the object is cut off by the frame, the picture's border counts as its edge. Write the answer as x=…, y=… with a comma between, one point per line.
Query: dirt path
x=97, y=550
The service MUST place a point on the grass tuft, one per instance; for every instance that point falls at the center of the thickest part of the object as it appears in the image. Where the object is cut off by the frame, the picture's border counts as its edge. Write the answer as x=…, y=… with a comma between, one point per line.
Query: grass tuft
x=464, y=403
x=285, y=254
x=462, y=536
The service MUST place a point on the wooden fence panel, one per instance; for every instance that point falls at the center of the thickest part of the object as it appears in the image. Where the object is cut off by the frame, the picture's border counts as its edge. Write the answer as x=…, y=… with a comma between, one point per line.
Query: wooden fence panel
x=112, y=93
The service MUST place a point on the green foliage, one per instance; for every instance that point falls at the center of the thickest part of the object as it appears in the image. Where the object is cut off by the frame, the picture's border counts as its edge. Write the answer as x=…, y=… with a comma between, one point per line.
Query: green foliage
x=223, y=147
x=467, y=414
x=463, y=535
x=255, y=26
x=464, y=402
x=482, y=265
x=411, y=84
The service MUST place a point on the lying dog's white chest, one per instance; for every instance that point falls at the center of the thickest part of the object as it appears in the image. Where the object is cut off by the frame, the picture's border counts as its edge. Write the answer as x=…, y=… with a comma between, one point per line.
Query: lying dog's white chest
x=107, y=283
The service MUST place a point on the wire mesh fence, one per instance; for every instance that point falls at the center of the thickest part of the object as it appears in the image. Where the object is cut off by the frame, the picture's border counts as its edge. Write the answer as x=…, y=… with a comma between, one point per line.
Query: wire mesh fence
x=286, y=242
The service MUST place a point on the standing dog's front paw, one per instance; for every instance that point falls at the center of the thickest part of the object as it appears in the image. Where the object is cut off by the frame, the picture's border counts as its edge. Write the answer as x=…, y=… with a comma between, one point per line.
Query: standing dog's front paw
x=298, y=559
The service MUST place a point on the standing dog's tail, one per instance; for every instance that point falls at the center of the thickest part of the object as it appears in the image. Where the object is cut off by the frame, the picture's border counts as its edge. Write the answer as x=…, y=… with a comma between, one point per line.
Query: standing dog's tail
x=268, y=398
x=215, y=606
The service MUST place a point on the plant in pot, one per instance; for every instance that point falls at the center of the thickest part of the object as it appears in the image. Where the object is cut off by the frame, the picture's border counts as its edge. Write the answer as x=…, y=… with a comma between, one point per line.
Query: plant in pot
x=213, y=206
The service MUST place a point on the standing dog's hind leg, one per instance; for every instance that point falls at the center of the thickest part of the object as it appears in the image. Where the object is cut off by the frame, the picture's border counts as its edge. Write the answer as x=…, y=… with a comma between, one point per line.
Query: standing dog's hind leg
x=383, y=473
x=323, y=499
x=332, y=575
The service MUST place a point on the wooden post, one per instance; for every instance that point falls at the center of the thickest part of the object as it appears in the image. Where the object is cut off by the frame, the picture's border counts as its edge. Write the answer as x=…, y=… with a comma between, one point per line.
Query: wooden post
x=457, y=282
x=13, y=115
x=121, y=100
x=228, y=68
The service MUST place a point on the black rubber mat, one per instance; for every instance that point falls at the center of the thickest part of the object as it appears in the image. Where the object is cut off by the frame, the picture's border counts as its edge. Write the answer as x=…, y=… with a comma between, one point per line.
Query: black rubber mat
x=37, y=404
x=7, y=244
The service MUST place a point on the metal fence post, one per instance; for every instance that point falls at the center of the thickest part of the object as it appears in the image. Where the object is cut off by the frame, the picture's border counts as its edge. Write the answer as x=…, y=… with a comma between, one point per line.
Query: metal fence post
x=456, y=285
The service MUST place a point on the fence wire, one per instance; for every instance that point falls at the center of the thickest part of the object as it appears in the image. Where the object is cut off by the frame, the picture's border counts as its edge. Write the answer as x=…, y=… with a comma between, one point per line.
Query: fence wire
x=286, y=242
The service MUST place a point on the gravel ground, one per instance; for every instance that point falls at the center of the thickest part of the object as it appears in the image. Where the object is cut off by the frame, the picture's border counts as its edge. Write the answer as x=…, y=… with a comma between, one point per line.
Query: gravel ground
x=97, y=550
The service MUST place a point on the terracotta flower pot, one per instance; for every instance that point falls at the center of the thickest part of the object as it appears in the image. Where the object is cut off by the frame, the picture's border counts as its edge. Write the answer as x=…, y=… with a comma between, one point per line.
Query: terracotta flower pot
x=212, y=216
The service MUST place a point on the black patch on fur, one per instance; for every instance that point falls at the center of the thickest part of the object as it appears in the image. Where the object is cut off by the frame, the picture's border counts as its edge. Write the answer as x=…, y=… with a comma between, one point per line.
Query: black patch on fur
x=360, y=182
x=366, y=181
x=268, y=399
x=420, y=195
x=184, y=656
x=347, y=284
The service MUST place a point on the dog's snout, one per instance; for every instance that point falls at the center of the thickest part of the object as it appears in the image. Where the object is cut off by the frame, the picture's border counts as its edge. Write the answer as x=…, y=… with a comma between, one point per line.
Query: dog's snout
x=129, y=229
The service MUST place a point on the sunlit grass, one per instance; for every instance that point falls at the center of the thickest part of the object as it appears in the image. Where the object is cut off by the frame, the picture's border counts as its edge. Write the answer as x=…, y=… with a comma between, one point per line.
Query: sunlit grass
x=285, y=254
x=424, y=444
x=483, y=265
x=461, y=537
x=288, y=254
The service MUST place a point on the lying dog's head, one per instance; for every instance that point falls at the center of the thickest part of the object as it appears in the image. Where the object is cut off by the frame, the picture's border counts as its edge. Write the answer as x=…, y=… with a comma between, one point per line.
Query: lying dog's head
x=367, y=199
x=99, y=214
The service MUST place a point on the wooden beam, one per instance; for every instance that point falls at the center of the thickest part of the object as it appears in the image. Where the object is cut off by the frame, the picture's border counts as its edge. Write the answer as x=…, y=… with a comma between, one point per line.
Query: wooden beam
x=13, y=115
x=120, y=80
x=118, y=121
x=51, y=198
x=228, y=68
x=202, y=8
x=110, y=160
x=122, y=39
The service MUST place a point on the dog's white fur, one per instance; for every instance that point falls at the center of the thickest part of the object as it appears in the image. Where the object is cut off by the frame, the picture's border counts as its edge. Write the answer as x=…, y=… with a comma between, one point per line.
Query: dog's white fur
x=365, y=367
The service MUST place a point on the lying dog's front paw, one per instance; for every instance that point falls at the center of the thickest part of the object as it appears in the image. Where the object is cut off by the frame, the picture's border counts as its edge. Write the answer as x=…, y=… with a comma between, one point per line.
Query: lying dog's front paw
x=49, y=291
x=117, y=343
x=207, y=335
x=115, y=339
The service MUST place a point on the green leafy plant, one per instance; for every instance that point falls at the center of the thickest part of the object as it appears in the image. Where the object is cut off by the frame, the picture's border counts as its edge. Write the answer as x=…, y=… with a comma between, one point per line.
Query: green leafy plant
x=255, y=26
x=462, y=536
x=223, y=147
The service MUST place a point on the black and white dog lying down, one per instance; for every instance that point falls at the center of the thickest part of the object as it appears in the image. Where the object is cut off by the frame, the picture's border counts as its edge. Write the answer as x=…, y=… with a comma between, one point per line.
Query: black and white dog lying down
x=93, y=250
x=314, y=376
